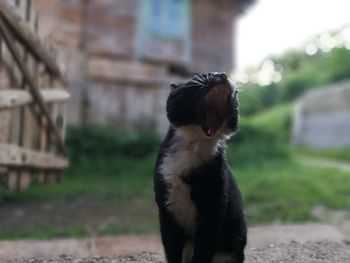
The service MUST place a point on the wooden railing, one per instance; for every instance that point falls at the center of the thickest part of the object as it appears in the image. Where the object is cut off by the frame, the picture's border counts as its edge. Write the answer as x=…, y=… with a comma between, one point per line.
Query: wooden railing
x=32, y=101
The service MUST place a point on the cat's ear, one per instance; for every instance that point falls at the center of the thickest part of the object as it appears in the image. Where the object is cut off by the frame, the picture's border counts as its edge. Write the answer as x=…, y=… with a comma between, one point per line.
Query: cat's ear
x=174, y=86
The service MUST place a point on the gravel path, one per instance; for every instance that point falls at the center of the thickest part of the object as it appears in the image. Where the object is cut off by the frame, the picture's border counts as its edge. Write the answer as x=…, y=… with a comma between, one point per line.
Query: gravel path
x=310, y=252
x=319, y=252
x=144, y=257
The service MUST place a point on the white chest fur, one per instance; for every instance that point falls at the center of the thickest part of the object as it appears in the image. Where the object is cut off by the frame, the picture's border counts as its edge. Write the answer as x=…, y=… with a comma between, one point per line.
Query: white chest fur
x=185, y=155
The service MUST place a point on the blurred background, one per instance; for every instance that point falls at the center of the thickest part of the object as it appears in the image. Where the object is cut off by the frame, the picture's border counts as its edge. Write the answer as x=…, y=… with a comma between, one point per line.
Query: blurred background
x=291, y=157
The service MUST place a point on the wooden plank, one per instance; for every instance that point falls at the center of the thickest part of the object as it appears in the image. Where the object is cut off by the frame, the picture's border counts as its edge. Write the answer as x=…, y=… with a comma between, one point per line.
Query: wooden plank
x=53, y=176
x=13, y=176
x=11, y=69
x=13, y=98
x=126, y=71
x=5, y=121
x=44, y=135
x=12, y=179
x=21, y=8
x=25, y=179
x=27, y=139
x=33, y=19
x=5, y=115
x=15, y=126
x=28, y=122
x=28, y=38
x=33, y=87
x=50, y=176
x=61, y=120
x=43, y=142
x=15, y=156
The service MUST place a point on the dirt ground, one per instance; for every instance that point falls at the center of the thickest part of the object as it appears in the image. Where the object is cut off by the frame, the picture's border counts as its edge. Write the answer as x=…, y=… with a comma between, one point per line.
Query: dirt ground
x=310, y=252
x=292, y=243
x=90, y=213
x=315, y=243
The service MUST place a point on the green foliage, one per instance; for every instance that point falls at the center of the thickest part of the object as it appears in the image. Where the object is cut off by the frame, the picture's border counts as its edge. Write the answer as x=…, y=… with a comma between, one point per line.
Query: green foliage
x=300, y=73
x=250, y=99
x=262, y=137
x=337, y=65
x=259, y=145
x=102, y=146
x=291, y=61
x=294, y=85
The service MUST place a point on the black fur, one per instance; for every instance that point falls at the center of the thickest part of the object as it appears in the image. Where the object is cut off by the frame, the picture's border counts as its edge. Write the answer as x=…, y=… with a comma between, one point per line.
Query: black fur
x=220, y=226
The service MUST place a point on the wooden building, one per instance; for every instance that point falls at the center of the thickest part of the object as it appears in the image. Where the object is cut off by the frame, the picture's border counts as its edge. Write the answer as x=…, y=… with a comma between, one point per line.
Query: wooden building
x=123, y=54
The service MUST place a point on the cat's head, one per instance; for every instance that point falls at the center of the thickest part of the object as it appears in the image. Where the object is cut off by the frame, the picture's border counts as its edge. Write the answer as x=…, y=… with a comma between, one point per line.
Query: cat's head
x=207, y=101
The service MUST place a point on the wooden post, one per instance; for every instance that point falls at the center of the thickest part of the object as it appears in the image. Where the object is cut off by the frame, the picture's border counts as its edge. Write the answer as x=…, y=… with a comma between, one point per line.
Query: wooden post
x=13, y=175
x=27, y=120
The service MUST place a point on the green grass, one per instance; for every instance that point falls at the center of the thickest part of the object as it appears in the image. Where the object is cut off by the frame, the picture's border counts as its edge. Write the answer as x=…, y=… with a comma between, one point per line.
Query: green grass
x=333, y=154
x=45, y=232
x=114, y=186
x=120, y=179
x=284, y=191
x=275, y=187
x=288, y=191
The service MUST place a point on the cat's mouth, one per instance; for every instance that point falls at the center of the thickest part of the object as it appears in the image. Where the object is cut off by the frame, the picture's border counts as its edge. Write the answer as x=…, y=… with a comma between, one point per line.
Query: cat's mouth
x=212, y=109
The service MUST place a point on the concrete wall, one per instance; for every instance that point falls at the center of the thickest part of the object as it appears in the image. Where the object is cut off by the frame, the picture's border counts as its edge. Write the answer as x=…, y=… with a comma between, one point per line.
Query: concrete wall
x=322, y=117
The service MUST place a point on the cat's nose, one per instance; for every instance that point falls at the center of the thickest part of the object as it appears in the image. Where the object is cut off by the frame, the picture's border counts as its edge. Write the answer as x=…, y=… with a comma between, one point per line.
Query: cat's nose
x=220, y=78
x=223, y=75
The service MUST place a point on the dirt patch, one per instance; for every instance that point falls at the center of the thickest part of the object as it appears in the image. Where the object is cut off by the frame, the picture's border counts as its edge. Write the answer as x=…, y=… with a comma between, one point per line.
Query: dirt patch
x=91, y=214
x=310, y=252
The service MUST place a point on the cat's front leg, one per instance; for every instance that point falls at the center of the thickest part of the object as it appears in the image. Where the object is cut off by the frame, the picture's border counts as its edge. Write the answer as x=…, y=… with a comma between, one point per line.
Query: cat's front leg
x=206, y=239
x=172, y=237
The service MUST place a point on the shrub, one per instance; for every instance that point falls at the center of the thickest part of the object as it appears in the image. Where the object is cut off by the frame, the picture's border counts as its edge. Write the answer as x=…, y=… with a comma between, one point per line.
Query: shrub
x=253, y=144
x=264, y=137
x=93, y=143
x=300, y=73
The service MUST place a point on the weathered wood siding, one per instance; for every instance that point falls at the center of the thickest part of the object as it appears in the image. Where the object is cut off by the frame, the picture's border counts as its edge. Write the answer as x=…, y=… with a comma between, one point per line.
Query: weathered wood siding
x=119, y=73
x=213, y=24
x=110, y=27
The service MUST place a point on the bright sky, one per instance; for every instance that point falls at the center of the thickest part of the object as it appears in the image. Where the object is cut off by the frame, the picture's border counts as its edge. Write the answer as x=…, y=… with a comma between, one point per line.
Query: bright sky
x=272, y=26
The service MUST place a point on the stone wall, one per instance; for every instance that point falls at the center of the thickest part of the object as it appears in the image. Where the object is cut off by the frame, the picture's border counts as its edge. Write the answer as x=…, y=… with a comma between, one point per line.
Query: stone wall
x=322, y=117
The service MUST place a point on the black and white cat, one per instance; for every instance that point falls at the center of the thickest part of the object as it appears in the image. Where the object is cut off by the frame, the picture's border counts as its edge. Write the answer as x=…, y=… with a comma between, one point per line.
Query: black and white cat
x=200, y=208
